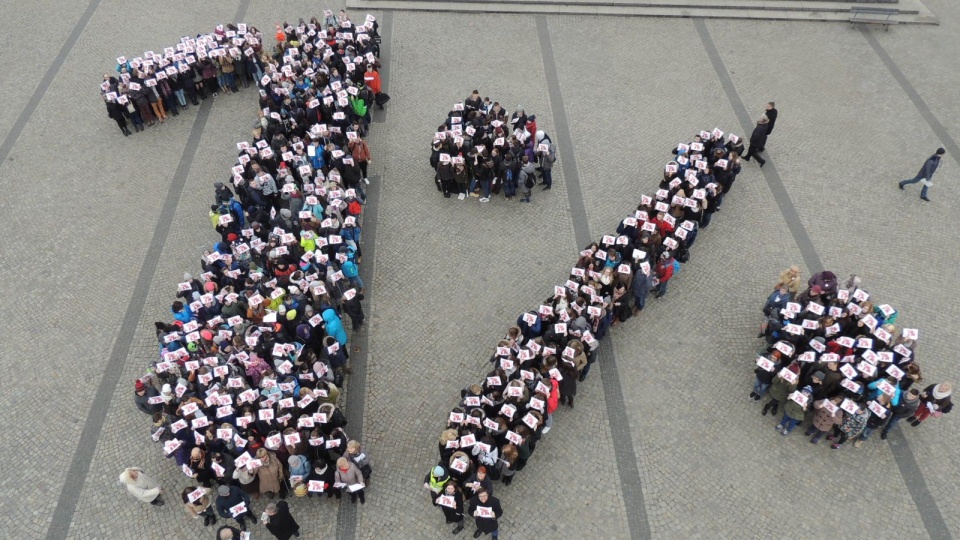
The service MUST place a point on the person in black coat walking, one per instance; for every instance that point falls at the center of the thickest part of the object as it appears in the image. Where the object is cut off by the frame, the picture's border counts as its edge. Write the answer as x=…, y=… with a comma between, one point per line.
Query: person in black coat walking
x=926, y=174
x=771, y=114
x=280, y=522
x=758, y=140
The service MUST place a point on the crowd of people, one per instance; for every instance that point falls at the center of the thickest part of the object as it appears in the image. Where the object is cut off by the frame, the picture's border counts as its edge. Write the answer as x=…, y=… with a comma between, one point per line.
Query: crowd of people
x=153, y=87
x=837, y=357
x=252, y=358
x=481, y=150
x=494, y=429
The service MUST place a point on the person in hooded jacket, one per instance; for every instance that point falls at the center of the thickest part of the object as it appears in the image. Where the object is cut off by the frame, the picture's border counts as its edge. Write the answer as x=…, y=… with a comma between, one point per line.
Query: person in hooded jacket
x=758, y=140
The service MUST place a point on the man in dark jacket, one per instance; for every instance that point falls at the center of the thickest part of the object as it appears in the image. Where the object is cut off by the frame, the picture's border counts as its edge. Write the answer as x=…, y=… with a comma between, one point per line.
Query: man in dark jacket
x=485, y=510
x=230, y=496
x=926, y=174
x=771, y=113
x=280, y=521
x=758, y=140
x=142, y=395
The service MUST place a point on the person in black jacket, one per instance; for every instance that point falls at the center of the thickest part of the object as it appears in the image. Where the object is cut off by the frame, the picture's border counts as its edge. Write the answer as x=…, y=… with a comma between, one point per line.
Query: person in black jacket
x=452, y=514
x=758, y=140
x=485, y=510
x=771, y=114
x=926, y=174
x=280, y=521
x=118, y=113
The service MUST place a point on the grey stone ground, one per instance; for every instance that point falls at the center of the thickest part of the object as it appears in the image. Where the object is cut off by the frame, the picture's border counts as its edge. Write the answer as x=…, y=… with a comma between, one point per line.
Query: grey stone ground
x=81, y=203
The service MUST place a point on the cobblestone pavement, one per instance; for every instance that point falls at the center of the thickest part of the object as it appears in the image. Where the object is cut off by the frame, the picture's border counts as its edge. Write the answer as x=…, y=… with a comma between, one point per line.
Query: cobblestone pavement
x=82, y=204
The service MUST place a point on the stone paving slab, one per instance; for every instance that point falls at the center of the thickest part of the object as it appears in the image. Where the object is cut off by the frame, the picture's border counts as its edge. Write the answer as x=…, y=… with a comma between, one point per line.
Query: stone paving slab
x=710, y=466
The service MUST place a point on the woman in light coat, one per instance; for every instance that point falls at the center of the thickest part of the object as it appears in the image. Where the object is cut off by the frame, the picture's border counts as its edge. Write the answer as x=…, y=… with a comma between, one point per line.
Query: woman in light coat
x=141, y=486
x=270, y=473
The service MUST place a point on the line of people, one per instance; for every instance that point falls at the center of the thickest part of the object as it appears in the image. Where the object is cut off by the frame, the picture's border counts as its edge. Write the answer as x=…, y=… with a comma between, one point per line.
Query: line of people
x=480, y=150
x=836, y=357
x=252, y=359
x=494, y=429
x=150, y=88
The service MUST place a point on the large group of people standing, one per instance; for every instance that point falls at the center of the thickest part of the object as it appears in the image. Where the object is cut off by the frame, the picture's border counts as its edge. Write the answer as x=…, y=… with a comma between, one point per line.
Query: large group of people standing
x=496, y=425
x=153, y=87
x=252, y=358
x=836, y=356
x=481, y=150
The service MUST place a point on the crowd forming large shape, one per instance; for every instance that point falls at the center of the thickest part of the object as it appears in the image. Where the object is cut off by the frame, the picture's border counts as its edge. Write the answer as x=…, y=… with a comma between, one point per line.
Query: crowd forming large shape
x=838, y=357
x=244, y=392
x=495, y=427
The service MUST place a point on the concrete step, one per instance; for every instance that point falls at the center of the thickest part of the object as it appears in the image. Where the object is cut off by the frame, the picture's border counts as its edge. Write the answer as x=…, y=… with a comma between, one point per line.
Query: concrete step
x=911, y=11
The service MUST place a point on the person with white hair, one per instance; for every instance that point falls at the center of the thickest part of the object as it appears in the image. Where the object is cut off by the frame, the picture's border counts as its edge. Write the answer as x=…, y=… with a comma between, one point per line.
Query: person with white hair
x=141, y=486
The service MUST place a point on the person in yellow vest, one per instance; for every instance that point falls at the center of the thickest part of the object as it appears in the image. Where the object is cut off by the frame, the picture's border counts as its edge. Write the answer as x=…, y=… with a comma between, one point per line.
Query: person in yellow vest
x=435, y=481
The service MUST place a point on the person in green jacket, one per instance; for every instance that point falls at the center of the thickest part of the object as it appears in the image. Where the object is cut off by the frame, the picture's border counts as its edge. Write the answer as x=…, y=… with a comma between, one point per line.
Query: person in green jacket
x=794, y=412
x=780, y=389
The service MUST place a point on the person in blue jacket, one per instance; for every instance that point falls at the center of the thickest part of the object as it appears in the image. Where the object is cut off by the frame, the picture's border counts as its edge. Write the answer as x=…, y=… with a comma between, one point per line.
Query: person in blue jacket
x=333, y=326
x=181, y=312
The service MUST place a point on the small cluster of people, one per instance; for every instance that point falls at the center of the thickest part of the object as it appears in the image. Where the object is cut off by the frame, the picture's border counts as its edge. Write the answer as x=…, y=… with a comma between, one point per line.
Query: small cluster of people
x=251, y=361
x=837, y=357
x=536, y=366
x=150, y=88
x=481, y=150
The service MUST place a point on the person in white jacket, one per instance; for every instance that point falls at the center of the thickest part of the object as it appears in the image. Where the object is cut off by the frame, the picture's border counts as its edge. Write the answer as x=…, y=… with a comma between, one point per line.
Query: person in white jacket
x=141, y=486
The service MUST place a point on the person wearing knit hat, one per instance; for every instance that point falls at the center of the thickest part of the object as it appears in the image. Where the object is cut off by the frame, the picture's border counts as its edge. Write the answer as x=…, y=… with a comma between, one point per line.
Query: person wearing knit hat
x=435, y=481
x=934, y=401
x=142, y=394
x=229, y=496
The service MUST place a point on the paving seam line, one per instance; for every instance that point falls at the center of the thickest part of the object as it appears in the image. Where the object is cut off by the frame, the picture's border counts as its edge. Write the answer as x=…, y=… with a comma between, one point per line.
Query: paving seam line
x=620, y=432
x=906, y=462
x=46, y=81
x=357, y=389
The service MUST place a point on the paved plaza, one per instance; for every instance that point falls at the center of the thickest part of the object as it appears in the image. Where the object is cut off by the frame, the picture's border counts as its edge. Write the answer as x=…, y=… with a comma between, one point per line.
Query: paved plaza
x=663, y=442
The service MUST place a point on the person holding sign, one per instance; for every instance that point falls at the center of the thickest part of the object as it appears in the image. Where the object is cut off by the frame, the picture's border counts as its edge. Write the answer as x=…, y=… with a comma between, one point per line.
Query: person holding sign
x=851, y=427
x=229, y=501
x=349, y=478
x=451, y=503
x=486, y=512
x=794, y=410
x=827, y=416
x=880, y=409
x=783, y=385
x=198, y=501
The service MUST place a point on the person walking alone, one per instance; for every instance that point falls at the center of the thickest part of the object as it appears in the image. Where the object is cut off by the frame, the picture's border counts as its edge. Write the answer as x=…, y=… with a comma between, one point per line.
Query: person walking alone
x=771, y=114
x=141, y=486
x=758, y=140
x=925, y=176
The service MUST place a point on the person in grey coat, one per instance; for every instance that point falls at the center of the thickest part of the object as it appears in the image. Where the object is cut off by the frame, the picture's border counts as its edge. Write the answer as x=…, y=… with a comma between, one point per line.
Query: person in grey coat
x=527, y=179
x=926, y=174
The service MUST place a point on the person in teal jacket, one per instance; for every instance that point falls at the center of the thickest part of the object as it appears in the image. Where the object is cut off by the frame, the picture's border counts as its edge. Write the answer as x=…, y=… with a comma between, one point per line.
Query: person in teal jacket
x=351, y=272
x=895, y=398
x=334, y=326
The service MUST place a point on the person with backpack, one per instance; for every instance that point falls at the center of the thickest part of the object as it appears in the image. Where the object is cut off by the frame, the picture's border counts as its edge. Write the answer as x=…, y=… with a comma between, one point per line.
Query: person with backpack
x=527, y=178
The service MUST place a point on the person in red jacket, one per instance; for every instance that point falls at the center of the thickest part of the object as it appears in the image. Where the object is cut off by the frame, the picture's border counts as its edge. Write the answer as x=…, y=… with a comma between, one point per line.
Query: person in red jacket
x=664, y=273
x=372, y=79
x=553, y=401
